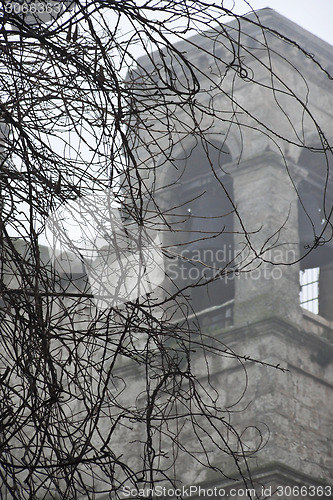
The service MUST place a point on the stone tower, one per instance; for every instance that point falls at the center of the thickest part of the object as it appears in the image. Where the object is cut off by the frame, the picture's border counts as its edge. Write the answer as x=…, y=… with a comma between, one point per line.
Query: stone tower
x=287, y=416
x=255, y=207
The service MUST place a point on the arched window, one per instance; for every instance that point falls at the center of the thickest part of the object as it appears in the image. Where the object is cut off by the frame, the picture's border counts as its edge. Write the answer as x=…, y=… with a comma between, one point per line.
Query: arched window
x=206, y=191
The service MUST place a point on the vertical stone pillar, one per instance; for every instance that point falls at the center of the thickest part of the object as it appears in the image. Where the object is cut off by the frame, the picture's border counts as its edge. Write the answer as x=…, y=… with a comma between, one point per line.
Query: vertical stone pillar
x=267, y=206
x=326, y=291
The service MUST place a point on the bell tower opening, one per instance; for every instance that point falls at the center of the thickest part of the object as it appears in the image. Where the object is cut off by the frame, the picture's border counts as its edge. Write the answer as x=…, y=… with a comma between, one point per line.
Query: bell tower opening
x=315, y=229
x=208, y=223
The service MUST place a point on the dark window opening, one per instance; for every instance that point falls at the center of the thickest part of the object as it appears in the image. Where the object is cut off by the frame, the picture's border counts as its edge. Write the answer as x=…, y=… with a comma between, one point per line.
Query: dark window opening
x=208, y=230
x=316, y=245
x=313, y=234
x=201, y=160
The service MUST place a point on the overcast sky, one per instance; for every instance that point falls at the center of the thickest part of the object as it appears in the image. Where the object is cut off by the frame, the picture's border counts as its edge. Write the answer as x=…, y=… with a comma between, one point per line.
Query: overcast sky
x=315, y=16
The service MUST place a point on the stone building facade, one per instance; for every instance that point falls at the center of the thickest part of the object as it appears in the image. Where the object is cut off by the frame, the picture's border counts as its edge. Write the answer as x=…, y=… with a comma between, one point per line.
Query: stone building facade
x=259, y=312
x=283, y=417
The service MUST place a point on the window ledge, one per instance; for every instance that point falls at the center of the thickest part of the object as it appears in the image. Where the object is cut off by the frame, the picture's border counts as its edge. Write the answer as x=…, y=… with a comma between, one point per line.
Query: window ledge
x=316, y=318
